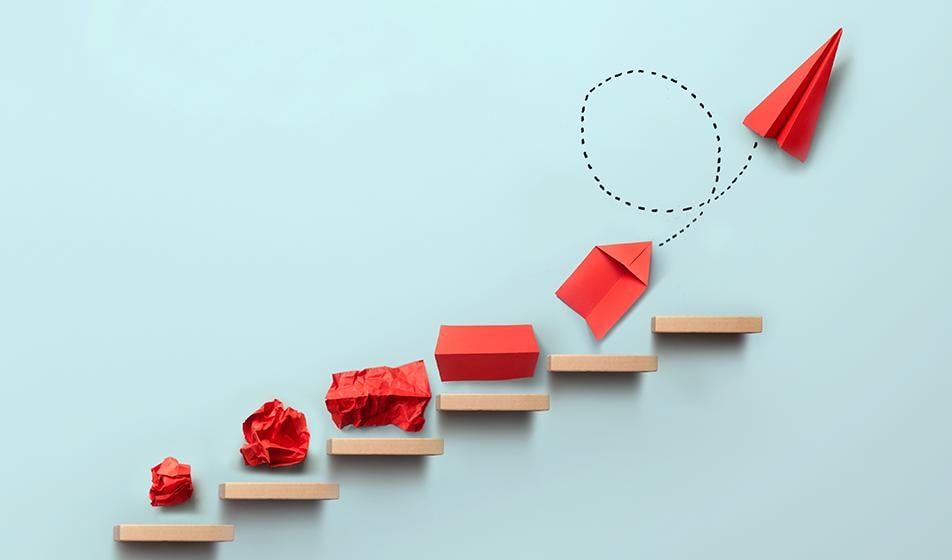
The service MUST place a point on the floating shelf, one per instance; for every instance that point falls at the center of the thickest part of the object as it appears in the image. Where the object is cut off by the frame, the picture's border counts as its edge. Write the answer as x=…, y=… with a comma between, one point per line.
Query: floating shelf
x=601, y=363
x=384, y=446
x=173, y=533
x=487, y=402
x=278, y=491
x=707, y=325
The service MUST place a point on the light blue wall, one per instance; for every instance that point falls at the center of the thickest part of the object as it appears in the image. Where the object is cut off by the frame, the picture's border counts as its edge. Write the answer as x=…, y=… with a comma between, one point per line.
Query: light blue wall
x=205, y=205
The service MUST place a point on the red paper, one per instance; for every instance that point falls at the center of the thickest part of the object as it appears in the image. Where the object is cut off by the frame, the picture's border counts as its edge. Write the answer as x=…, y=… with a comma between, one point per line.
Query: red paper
x=171, y=483
x=607, y=284
x=486, y=352
x=276, y=436
x=380, y=395
x=790, y=112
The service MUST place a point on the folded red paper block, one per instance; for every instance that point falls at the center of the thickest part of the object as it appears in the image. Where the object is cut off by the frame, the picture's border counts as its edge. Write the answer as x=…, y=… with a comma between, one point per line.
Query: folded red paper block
x=276, y=436
x=380, y=395
x=607, y=284
x=486, y=352
x=171, y=483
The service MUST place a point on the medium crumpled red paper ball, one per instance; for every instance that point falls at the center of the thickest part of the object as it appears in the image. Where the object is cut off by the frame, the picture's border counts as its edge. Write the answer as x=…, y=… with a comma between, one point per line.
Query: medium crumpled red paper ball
x=171, y=483
x=277, y=436
x=380, y=395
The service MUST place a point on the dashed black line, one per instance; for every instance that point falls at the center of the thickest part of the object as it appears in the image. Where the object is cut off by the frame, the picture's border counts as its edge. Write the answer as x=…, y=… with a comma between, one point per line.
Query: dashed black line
x=708, y=201
x=714, y=194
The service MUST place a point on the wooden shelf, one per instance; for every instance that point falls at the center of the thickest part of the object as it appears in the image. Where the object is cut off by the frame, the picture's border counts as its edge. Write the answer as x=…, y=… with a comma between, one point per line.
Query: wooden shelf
x=488, y=402
x=173, y=533
x=384, y=446
x=278, y=491
x=601, y=363
x=683, y=324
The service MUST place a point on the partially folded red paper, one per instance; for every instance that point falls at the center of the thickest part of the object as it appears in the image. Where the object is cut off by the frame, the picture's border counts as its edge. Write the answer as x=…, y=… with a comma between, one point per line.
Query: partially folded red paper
x=380, y=395
x=607, y=283
x=791, y=111
x=486, y=352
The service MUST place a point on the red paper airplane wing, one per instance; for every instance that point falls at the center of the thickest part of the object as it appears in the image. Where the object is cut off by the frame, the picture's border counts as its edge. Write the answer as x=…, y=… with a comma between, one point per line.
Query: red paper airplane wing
x=797, y=133
x=790, y=112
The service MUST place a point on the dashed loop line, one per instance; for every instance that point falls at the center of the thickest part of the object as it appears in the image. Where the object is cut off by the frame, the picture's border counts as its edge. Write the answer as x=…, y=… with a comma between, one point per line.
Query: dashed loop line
x=647, y=208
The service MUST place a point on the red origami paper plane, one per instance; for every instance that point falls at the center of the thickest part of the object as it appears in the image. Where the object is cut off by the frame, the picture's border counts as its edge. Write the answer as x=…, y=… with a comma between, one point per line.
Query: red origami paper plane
x=486, y=352
x=790, y=112
x=607, y=283
x=380, y=395
x=171, y=483
x=276, y=436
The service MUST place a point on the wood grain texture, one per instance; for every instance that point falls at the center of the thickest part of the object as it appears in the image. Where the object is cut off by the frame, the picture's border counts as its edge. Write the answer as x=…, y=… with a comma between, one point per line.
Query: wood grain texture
x=686, y=324
x=278, y=491
x=384, y=446
x=488, y=402
x=173, y=533
x=601, y=363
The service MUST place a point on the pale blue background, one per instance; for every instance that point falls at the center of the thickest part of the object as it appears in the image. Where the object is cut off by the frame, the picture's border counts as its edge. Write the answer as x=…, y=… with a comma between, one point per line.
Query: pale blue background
x=204, y=205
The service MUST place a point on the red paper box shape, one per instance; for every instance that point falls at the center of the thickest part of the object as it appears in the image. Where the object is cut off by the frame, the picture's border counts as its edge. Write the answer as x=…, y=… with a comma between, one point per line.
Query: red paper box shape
x=380, y=395
x=791, y=111
x=607, y=284
x=486, y=352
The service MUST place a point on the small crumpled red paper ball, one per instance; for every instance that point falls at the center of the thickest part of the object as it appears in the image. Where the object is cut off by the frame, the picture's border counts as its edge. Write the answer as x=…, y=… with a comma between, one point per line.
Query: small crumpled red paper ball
x=277, y=436
x=171, y=483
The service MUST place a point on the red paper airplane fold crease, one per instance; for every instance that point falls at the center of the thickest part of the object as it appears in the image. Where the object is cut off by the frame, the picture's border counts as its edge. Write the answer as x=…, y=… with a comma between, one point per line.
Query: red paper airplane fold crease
x=607, y=283
x=790, y=112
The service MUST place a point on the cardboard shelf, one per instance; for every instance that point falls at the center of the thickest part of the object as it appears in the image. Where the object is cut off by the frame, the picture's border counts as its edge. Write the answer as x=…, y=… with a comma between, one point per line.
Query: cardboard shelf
x=128, y=532
x=601, y=363
x=278, y=491
x=384, y=446
x=686, y=324
x=488, y=402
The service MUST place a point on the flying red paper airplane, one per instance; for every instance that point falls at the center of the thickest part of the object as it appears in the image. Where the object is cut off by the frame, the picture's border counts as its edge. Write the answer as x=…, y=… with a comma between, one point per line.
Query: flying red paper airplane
x=790, y=112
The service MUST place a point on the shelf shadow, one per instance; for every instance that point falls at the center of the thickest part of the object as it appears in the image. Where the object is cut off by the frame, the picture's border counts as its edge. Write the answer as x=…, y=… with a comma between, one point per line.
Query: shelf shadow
x=603, y=385
x=690, y=345
x=238, y=512
x=480, y=425
x=262, y=521
x=162, y=550
x=390, y=468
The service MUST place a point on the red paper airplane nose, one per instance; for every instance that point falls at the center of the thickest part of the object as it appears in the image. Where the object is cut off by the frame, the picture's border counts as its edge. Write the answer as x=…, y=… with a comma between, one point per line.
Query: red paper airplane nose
x=790, y=112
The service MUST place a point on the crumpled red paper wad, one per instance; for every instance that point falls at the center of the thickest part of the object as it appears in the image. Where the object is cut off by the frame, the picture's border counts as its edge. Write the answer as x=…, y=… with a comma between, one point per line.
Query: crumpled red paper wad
x=380, y=395
x=171, y=483
x=276, y=436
